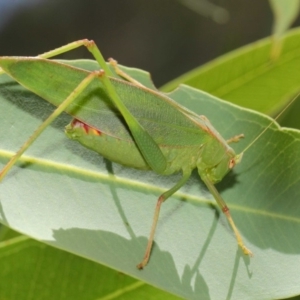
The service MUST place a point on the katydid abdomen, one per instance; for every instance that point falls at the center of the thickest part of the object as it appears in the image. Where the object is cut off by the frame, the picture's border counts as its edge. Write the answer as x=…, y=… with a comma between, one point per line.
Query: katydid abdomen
x=125, y=151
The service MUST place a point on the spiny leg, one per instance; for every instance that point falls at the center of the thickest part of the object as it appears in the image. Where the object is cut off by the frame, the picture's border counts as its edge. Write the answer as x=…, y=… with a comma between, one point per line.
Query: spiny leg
x=225, y=210
x=89, y=44
x=61, y=50
x=186, y=175
x=84, y=83
x=235, y=138
x=123, y=74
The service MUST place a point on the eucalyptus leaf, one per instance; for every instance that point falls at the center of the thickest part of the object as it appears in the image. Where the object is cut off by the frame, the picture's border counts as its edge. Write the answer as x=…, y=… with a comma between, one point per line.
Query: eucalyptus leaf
x=71, y=198
x=248, y=77
x=56, y=274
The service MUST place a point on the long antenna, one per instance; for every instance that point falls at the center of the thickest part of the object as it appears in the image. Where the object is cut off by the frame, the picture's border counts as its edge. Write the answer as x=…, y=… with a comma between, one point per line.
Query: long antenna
x=292, y=101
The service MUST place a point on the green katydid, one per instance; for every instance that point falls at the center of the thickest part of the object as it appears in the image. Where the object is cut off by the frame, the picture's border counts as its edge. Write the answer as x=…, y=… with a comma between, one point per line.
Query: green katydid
x=135, y=120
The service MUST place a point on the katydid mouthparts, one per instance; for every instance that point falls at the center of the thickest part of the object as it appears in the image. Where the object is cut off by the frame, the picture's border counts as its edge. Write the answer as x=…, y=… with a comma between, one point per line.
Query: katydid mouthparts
x=117, y=115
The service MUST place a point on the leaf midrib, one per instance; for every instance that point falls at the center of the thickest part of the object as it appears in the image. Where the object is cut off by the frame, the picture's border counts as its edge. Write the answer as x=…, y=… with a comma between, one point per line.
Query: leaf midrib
x=133, y=183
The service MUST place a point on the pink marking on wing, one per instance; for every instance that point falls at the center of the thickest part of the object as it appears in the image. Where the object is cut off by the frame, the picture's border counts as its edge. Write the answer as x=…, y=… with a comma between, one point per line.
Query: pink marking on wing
x=88, y=129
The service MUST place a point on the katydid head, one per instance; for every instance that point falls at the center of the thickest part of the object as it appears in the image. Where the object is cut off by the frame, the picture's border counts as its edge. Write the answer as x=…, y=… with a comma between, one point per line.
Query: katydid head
x=216, y=160
x=227, y=162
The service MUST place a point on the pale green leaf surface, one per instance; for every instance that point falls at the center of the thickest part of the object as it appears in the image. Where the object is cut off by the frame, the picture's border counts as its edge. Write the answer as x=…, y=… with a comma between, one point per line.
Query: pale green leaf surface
x=70, y=198
x=247, y=77
x=56, y=274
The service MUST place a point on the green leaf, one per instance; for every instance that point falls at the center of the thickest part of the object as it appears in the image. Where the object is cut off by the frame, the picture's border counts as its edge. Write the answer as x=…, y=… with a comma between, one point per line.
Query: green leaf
x=56, y=274
x=248, y=78
x=69, y=197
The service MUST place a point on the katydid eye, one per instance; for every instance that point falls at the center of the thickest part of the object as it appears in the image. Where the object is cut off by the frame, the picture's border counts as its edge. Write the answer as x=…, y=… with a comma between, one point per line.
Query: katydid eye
x=231, y=163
